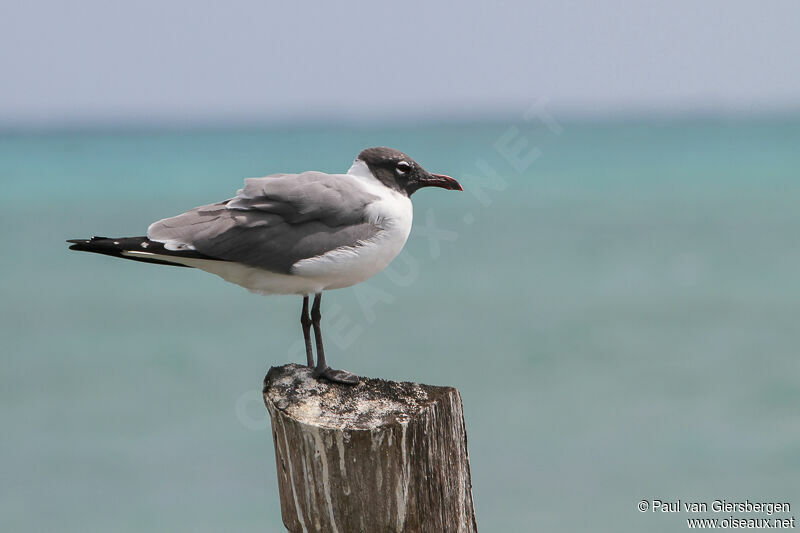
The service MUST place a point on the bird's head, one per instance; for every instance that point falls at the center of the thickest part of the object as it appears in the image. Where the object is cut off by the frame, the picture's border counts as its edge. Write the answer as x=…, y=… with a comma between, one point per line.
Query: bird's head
x=399, y=172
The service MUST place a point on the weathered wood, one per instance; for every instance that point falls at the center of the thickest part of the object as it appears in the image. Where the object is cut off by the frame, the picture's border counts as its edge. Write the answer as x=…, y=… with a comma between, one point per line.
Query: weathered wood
x=377, y=457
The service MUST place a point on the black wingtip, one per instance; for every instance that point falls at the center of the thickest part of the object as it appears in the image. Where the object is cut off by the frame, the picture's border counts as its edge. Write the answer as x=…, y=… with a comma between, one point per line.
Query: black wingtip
x=80, y=241
x=116, y=247
x=80, y=245
x=85, y=245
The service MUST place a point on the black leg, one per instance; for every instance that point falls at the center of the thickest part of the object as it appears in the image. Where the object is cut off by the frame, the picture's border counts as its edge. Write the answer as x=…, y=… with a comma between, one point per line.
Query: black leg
x=305, y=321
x=322, y=369
x=316, y=315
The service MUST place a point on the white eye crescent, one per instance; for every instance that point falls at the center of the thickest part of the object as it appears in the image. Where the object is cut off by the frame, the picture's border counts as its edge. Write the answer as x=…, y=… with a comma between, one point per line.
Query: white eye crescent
x=403, y=167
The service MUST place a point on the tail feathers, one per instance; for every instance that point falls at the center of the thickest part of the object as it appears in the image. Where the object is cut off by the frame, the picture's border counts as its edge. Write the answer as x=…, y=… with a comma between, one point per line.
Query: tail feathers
x=142, y=245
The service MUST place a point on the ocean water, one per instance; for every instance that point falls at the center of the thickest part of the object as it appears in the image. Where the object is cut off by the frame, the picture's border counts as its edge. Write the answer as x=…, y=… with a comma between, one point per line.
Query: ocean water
x=618, y=302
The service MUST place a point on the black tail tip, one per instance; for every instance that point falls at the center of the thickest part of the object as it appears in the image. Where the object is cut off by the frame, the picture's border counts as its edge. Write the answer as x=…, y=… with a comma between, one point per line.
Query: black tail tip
x=83, y=244
x=95, y=238
x=79, y=244
x=85, y=241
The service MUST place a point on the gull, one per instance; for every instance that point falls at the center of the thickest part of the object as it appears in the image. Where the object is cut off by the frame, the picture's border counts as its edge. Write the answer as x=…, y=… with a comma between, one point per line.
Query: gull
x=293, y=234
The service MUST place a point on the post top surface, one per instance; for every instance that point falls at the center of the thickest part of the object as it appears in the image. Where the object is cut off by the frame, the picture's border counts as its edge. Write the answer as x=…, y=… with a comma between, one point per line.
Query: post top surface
x=370, y=404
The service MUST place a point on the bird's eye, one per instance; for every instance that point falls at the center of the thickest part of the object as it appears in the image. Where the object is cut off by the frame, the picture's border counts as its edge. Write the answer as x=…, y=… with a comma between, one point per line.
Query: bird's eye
x=403, y=167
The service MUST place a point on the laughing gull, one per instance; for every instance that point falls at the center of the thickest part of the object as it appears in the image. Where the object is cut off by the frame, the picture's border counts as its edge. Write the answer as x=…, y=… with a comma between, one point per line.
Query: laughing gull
x=293, y=234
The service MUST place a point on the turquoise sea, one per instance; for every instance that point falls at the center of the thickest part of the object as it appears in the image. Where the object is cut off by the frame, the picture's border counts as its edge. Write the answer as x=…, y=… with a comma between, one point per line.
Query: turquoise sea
x=619, y=305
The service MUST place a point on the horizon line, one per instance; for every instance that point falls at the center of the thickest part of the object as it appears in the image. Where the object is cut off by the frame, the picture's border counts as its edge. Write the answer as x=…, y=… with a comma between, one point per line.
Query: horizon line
x=305, y=121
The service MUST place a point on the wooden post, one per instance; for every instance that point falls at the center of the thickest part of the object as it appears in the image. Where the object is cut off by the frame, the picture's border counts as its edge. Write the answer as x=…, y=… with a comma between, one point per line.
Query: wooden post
x=380, y=456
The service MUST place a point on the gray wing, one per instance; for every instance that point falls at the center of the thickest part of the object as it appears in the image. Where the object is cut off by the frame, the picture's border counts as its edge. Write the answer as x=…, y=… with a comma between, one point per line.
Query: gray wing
x=274, y=221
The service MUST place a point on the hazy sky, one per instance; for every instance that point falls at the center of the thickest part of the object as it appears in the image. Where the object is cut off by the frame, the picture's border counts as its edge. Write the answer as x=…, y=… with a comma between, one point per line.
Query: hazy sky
x=147, y=60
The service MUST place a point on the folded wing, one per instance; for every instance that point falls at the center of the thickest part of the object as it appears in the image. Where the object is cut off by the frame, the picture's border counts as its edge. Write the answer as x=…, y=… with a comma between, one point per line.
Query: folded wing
x=275, y=221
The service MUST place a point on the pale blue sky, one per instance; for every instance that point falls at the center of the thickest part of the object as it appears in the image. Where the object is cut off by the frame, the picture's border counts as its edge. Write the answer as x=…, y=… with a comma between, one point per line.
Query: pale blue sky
x=185, y=61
